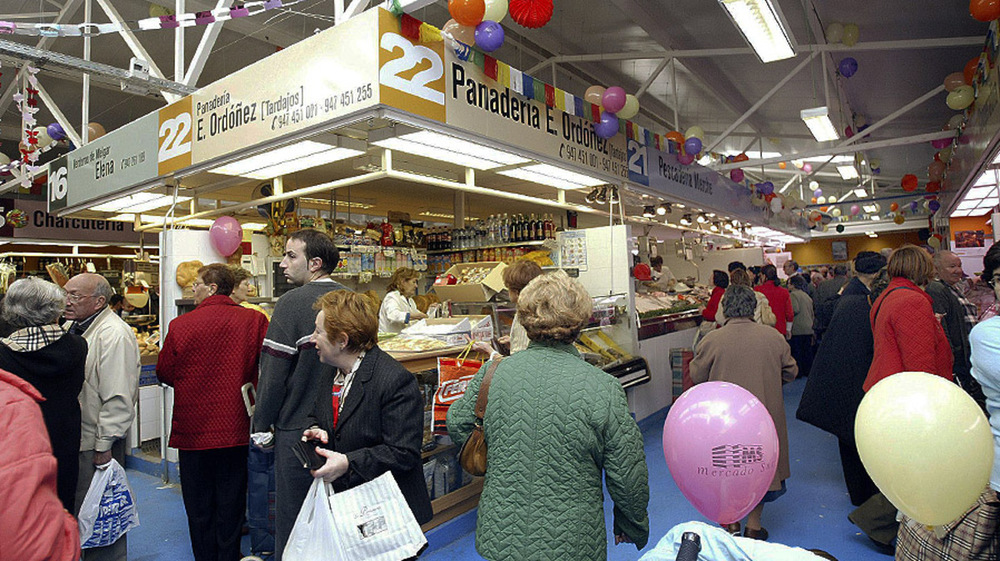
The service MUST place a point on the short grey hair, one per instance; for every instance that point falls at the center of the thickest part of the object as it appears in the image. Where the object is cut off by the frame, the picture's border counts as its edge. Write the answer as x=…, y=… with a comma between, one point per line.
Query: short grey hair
x=104, y=289
x=739, y=301
x=33, y=302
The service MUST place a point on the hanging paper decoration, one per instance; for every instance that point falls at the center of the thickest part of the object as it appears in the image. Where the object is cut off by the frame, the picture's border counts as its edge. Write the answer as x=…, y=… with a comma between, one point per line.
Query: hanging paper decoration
x=17, y=218
x=169, y=21
x=531, y=13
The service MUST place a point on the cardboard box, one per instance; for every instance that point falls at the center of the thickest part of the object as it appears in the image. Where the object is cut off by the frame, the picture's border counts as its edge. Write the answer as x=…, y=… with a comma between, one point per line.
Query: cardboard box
x=454, y=330
x=476, y=292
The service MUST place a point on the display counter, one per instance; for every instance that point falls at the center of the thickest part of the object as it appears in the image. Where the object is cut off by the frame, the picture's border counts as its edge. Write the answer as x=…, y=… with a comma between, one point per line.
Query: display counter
x=659, y=335
x=461, y=490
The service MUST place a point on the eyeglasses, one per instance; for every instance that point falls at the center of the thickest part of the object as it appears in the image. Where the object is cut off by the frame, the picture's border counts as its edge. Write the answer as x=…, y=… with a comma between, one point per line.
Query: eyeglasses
x=75, y=298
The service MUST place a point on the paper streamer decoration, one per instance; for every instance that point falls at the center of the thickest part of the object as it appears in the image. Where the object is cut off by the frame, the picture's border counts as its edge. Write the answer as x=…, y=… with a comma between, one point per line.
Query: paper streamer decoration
x=174, y=21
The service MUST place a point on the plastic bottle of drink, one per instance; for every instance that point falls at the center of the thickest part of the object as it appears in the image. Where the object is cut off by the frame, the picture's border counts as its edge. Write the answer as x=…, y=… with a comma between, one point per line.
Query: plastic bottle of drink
x=504, y=229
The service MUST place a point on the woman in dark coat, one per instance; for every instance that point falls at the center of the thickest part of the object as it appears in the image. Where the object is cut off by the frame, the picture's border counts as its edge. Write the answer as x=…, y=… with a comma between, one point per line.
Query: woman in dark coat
x=370, y=420
x=833, y=392
x=43, y=354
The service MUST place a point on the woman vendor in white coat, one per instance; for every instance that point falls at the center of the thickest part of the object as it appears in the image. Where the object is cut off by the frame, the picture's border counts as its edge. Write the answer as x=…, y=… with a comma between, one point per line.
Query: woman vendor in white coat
x=398, y=308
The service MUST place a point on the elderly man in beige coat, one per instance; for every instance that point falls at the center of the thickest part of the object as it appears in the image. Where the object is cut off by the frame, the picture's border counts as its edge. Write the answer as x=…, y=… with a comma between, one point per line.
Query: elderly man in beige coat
x=110, y=387
x=757, y=358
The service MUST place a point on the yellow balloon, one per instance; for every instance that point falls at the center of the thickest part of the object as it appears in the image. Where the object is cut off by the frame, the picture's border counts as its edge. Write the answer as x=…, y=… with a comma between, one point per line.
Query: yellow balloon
x=935, y=243
x=695, y=132
x=899, y=219
x=631, y=108
x=835, y=32
x=496, y=10
x=960, y=98
x=926, y=445
x=851, y=33
x=156, y=11
x=836, y=212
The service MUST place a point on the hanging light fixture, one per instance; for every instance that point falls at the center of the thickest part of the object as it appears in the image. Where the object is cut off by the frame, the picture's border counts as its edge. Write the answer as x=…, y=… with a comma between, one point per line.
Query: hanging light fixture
x=648, y=212
x=686, y=220
x=592, y=195
x=663, y=209
x=702, y=219
x=602, y=195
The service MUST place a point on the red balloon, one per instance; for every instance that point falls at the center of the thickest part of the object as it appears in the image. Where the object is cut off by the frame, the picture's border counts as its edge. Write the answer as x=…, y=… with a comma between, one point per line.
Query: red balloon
x=894, y=207
x=909, y=182
x=985, y=10
x=970, y=70
x=531, y=13
x=933, y=187
x=741, y=158
x=467, y=12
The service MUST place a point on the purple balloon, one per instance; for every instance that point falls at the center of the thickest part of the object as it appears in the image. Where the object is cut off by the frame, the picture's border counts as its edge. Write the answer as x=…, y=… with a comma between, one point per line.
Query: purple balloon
x=914, y=206
x=934, y=206
x=818, y=193
x=848, y=66
x=56, y=131
x=614, y=99
x=607, y=126
x=692, y=146
x=736, y=175
x=721, y=448
x=685, y=159
x=489, y=36
x=226, y=235
x=938, y=143
x=766, y=188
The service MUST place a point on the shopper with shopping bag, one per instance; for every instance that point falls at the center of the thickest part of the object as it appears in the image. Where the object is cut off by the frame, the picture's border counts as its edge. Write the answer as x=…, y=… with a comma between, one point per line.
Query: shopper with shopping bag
x=108, y=510
x=370, y=421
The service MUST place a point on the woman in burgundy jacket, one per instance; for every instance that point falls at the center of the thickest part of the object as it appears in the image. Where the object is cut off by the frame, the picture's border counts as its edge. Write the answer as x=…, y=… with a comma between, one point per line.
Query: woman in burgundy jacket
x=908, y=336
x=779, y=299
x=208, y=355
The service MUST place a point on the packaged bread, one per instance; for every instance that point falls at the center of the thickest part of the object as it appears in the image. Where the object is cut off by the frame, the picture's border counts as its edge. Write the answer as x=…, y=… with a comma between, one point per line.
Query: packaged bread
x=187, y=272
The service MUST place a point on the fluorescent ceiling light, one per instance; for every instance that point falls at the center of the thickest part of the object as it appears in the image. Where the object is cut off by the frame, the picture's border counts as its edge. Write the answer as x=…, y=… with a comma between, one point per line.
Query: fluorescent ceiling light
x=981, y=192
x=295, y=157
x=968, y=204
x=138, y=202
x=860, y=193
x=840, y=159
x=762, y=26
x=847, y=172
x=961, y=213
x=150, y=219
x=444, y=148
x=819, y=123
x=870, y=208
x=987, y=178
x=553, y=177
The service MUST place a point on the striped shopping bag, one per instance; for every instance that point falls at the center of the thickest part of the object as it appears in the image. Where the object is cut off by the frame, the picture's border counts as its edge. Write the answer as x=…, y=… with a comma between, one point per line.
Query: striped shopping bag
x=374, y=523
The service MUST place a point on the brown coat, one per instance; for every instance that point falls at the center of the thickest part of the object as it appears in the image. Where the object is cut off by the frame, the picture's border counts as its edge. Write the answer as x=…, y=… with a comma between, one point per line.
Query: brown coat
x=757, y=358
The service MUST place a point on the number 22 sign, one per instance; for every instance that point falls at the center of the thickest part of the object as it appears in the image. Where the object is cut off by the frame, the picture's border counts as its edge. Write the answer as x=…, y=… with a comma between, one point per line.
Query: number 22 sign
x=174, y=146
x=411, y=75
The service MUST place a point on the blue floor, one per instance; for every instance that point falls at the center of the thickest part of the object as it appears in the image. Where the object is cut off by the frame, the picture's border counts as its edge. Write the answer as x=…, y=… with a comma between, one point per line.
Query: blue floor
x=812, y=514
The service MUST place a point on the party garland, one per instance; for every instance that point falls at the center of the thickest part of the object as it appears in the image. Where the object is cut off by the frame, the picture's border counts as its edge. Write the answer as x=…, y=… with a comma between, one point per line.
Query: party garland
x=190, y=19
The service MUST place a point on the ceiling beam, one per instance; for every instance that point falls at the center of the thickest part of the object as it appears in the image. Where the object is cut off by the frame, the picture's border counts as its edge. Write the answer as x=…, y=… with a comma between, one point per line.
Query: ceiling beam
x=781, y=83
x=834, y=150
x=652, y=77
x=8, y=93
x=53, y=108
x=134, y=45
x=205, y=46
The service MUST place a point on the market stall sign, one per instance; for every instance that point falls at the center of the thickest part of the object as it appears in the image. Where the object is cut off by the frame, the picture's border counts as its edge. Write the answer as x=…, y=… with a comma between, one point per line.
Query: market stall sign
x=42, y=225
x=121, y=158
x=699, y=185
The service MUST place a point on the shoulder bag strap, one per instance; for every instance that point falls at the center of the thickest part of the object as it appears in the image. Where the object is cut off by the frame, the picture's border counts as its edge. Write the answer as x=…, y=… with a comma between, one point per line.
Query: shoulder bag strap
x=887, y=296
x=484, y=389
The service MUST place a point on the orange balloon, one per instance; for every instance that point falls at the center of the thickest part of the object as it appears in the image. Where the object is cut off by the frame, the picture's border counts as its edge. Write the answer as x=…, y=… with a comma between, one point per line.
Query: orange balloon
x=782, y=165
x=985, y=10
x=595, y=95
x=823, y=208
x=676, y=137
x=970, y=70
x=814, y=200
x=953, y=80
x=741, y=158
x=909, y=182
x=467, y=12
x=95, y=130
x=894, y=207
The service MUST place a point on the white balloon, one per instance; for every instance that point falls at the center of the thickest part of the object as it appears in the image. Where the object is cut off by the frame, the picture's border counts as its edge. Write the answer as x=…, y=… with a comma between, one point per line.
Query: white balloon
x=776, y=205
x=821, y=200
x=42, y=134
x=831, y=199
x=4, y=159
x=496, y=10
x=836, y=212
x=813, y=185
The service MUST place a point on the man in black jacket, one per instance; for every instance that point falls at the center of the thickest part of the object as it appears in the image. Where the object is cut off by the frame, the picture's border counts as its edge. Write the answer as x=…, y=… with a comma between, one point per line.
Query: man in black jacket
x=958, y=316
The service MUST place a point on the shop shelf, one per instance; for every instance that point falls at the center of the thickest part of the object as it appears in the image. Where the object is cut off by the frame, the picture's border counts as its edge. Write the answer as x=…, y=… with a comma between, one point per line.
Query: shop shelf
x=516, y=244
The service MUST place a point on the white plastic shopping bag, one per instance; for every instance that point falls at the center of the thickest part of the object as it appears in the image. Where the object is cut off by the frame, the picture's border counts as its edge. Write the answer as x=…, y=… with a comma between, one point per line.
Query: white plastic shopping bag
x=374, y=522
x=313, y=537
x=108, y=510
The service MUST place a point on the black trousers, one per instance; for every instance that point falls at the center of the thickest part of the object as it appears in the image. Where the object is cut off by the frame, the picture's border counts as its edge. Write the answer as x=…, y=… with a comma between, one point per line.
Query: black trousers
x=214, y=487
x=859, y=484
x=292, y=483
x=802, y=352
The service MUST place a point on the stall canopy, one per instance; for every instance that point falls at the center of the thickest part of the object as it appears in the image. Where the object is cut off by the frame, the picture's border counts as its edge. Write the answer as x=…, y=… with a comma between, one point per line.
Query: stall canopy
x=361, y=103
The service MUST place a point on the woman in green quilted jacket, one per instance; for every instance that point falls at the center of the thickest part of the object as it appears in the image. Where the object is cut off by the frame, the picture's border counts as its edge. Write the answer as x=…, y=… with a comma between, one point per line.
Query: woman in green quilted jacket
x=554, y=425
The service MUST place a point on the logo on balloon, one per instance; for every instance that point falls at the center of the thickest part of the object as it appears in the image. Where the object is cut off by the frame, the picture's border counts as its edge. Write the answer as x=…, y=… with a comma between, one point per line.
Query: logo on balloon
x=737, y=455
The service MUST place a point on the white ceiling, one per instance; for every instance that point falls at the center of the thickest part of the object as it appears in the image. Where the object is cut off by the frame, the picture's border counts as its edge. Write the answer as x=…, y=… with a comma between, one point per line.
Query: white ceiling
x=711, y=91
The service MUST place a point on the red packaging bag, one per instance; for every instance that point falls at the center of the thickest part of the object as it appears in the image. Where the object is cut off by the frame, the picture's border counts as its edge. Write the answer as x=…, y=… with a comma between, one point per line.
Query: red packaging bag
x=454, y=374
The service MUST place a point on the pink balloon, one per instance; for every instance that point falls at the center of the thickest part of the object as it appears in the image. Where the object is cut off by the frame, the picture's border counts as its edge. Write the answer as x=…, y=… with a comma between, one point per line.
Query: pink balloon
x=736, y=175
x=685, y=159
x=614, y=99
x=855, y=210
x=722, y=449
x=226, y=235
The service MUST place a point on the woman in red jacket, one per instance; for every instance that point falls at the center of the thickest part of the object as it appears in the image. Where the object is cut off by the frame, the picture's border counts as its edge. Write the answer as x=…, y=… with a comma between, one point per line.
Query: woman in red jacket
x=721, y=281
x=778, y=297
x=908, y=336
x=208, y=355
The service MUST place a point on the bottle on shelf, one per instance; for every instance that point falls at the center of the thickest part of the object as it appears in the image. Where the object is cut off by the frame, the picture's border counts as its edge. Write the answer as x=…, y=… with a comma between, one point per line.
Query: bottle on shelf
x=504, y=229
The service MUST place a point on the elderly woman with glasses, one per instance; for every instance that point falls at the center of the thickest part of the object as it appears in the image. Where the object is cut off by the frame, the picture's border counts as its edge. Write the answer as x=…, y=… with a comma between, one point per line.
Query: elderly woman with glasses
x=758, y=359
x=209, y=354
x=555, y=426
x=53, y=361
